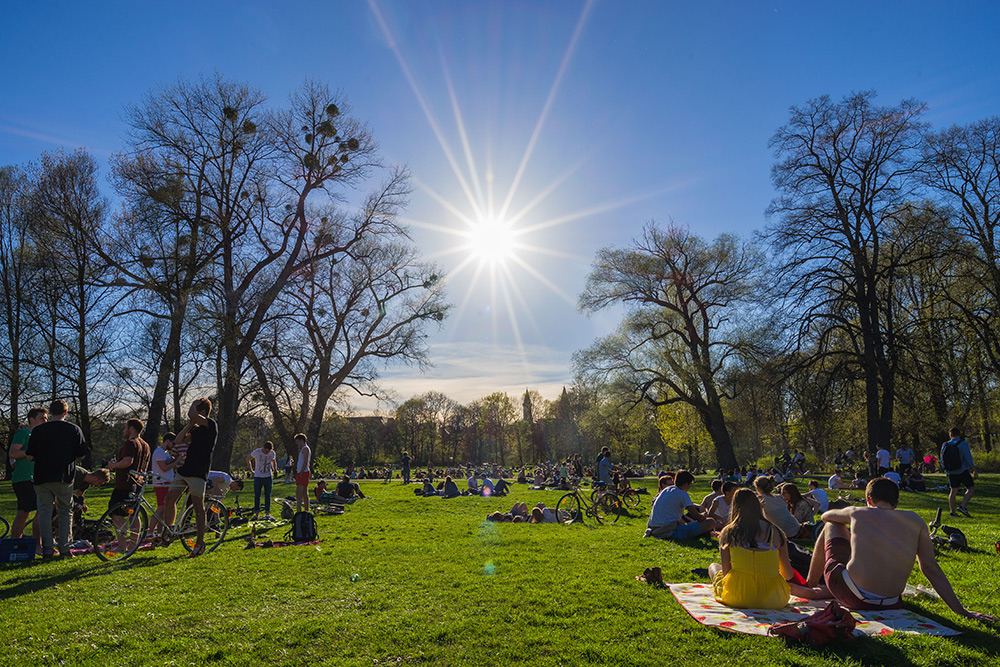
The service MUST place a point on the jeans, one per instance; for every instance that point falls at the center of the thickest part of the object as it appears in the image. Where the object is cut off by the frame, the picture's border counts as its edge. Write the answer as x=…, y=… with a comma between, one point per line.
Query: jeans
x=60, y=493
x=265, y=484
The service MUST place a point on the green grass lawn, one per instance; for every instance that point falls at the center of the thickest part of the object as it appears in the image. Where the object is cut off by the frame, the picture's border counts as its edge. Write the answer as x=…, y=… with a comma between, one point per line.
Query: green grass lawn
x=438, y=585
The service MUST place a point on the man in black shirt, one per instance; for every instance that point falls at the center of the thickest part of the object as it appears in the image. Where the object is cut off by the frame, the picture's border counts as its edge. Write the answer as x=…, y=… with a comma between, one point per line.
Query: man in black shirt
x=55, y=447
x=200, y=434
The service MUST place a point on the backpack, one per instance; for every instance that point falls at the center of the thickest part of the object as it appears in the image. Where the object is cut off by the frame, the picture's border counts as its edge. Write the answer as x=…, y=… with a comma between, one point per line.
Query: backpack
x=303, y=528
x=832, y=623
x=951, y=458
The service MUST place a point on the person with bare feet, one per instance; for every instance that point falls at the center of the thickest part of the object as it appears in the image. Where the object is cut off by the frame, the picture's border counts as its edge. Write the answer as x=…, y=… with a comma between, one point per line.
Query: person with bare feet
x=867, y=566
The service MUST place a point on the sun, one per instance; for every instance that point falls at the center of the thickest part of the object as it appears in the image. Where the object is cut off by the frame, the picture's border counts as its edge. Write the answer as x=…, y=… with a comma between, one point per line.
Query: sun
x=491, y=241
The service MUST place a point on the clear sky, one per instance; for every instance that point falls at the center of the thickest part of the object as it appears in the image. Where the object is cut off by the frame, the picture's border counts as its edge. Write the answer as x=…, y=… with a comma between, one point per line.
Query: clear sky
x=581, y=121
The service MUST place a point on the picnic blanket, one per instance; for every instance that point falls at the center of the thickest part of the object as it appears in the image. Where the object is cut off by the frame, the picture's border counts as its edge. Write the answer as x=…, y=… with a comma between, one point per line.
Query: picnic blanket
x=699, y=601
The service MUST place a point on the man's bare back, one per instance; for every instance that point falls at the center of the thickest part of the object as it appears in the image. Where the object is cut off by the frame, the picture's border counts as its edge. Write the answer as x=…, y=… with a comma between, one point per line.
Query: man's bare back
x=884, y=545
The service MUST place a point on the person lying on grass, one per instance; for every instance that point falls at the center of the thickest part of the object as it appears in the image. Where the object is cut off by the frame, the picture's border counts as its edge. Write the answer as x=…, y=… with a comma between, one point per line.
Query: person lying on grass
x=755, y=572
x=866, y=567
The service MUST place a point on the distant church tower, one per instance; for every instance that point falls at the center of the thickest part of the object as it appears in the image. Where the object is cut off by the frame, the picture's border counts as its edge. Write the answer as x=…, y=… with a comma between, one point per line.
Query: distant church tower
x=526, y=408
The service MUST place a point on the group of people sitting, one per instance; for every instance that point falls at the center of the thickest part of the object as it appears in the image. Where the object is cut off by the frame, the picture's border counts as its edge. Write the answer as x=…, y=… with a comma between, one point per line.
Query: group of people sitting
x=862, y=556
x=477, y=485
x=908, y=480
x=520, y=513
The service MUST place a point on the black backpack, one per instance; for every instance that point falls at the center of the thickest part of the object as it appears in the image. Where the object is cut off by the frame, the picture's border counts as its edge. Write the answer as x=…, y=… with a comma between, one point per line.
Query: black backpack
x=951, y=458
x=303, y=528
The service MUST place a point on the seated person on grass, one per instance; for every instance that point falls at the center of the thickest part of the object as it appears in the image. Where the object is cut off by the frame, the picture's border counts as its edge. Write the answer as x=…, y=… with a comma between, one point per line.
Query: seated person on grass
x=755, y=572
x=867, y=566
x=859, y=481
x=819, y=495
x=347, y=489
x=429, y=489
x=502, y=488
x=473, y=485
x=486, y=488
x=667, y=517
x=706, y=502
x=835, y=483
x=719, y=509
x=450, y=488
x=915, y=480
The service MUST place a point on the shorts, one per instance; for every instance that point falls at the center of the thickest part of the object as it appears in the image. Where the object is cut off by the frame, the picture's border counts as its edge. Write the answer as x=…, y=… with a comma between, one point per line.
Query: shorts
x=838, y=554
x=302, y=478
x=161, y=494
x=117, y=496
x=963, y=479
x=196, y=484
x=26, y=499
x=686, y=531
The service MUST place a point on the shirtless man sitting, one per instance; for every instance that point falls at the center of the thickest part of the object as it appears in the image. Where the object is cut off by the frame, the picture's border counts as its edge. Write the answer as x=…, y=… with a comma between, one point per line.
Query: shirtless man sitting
x=867, y=566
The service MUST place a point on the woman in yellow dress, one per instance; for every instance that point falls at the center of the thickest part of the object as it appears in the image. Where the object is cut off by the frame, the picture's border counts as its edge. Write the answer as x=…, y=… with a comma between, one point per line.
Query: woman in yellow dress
x=755, y=570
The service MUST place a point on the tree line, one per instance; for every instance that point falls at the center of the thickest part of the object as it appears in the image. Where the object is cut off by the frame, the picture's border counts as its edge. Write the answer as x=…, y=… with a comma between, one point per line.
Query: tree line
x=254, y=254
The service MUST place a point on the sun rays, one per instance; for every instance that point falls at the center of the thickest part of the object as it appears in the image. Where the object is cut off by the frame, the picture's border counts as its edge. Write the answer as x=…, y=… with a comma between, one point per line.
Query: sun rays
x=493, y=246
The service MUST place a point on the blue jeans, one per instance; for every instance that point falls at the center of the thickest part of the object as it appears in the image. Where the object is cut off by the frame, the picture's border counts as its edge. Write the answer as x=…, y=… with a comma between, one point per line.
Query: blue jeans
x=264, y=483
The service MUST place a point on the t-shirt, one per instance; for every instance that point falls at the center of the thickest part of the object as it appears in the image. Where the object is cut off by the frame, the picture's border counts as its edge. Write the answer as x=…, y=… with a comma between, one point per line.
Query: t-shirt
x=348, y=489
x=776, y=511
x=218, y=483
x=905, y=456
x=821, y=497
x=669, y=506
x=883, y=458
x=78, y=479
x=199, y=453
x=472, y=483
x=894, y=476
x=834, y=482
x=488, y=484
x=139, y=451
x=165, y=476
x=963, y=449
x=604, y=470
x=23, y=468
x=721, y=507
x=305, y=454
x=262, y=462
x=56, y=445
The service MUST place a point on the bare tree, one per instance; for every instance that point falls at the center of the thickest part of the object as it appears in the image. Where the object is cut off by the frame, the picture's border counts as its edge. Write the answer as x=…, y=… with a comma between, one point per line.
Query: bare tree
x=690, y=305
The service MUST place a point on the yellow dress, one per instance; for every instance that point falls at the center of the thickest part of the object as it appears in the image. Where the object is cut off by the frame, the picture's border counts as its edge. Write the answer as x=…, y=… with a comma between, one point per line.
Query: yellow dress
x=753, y=581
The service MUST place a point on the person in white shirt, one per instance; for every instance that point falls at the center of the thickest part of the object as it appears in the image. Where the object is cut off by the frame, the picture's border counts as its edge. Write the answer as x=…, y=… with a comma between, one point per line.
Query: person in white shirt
x=721, y=505
x=263, y=462
x=487, y=486
x=667, y=516
x=163, y=464
x=882, y=456
x=895, y=477
x=905, y=456
x=220, y=483
x=302, y=473
x=819, y=495
x=473, y=485
x=835, y=482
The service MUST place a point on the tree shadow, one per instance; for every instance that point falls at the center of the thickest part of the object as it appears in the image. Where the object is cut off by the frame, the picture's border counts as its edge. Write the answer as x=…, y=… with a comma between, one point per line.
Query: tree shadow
x=32, y=585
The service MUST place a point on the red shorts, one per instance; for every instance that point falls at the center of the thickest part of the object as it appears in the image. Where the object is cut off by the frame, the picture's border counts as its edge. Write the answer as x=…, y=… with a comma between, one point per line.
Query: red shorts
x=302, y=478
x=161, y=494
x=838, y=554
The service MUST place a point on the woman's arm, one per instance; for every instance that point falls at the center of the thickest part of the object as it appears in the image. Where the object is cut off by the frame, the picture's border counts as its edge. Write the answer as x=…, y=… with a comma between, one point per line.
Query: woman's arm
x=724, y=558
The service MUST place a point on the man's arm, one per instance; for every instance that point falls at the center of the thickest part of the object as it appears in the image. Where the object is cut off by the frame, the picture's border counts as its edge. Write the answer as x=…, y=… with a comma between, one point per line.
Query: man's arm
x=696, y=512
x=842, y=516
x=121, y=465
x=932, y=570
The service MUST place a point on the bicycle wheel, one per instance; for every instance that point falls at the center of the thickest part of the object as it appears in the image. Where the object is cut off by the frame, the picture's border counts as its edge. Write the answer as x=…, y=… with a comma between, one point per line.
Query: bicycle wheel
x=120, y=531
x=568, y=509
x=216, y=525
x=631, y=499
x=612, y=508
x=4, y=528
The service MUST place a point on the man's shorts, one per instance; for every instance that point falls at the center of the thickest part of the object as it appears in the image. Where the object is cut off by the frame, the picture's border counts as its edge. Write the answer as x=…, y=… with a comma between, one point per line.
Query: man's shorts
x=302, y=478
x=161, y=494
x=838, y=554
x=962, y=479
x=26, y=499
x=196, y=484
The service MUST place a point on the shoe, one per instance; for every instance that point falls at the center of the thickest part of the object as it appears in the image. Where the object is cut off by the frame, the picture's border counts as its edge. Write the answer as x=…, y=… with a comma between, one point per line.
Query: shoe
x=268, y=517
x=965, y=512
x=700, y=572
x=952, y=514
x=197, y=551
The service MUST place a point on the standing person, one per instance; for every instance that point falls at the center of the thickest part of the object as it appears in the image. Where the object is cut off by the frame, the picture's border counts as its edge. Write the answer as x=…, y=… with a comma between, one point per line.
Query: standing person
x=199, y=434
x=289, y=469
x=882, y=458
x=406, y=467
x=302, y=474
x=55, y=447
x=262, y=462
x=22, y=477
x=905, y=456
x=956, y=459
x=132, y=455
x=164, y=465
x=604, y=466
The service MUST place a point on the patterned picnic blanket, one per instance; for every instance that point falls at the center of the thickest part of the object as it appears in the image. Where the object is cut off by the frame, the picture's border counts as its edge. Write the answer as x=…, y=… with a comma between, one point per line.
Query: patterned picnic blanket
x=699, y=601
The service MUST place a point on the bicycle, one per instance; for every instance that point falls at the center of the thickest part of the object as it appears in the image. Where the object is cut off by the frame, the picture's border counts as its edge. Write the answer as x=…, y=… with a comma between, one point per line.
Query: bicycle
x=4, y=528
x=573, y=506
x=124, y=527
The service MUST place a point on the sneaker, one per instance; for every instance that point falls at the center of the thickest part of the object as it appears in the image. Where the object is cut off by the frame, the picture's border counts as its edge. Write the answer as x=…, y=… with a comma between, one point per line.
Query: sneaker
x=952, y=514
x=268, y=517
x=198, y=550
x=965, y=512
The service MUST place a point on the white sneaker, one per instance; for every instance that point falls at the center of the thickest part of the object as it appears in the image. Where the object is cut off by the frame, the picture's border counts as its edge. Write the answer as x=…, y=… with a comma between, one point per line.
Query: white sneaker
x=268, y=517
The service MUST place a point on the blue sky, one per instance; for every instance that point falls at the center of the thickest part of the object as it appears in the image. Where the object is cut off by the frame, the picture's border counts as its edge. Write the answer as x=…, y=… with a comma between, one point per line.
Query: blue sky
x=632, y=111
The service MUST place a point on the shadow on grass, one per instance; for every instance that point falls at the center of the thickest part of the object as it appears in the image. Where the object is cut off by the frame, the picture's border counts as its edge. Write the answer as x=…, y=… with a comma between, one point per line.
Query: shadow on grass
x=30, y=583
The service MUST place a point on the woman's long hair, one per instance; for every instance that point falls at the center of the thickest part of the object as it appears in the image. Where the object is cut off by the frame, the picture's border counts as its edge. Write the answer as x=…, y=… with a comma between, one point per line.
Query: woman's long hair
x=745, y=516
x=794, y=496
